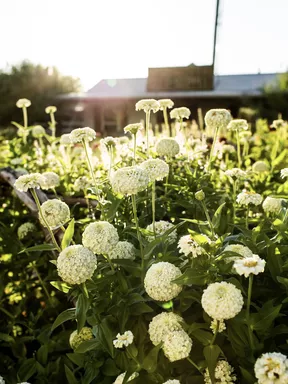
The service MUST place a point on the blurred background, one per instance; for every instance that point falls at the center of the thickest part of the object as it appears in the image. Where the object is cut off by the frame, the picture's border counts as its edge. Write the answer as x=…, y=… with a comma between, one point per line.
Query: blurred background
x=94, y=59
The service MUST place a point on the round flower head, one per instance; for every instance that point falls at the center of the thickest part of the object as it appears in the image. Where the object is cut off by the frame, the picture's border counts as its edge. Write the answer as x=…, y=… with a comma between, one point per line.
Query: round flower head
x=279, y=123
x=260, y=167
x=218, y=118
x=228, y=148
x=38, y=131
x=272, y=205
x=123, y=250
x=167, y=147
x=52, y=180
x=237, y=248
x=246, y=198
x=55, y=212
x=172, y=382
x=79, y=134
x=123, y=340
x=2, y=381
x=158, y=281
x=23, y=103
x=180, y=113
x=82, y=183
x=25, y=229
x=65, y=139
x=160, y=228
x=284, y=173
x=162, y=324
x=272, y=368
x=77, y=338
x=109, y=141
x=238, y=125
x=76, y=264
x=129, y=180
x=214, y=325
x=100, y=237
x=188, y=246
x=147, y=105
x=157, y=169
x=120, y=378
x=223, y=374
x=32, y=180
x=177, y=345
x=249, y=265
x=222, y=301
x=165, y=103
x=133, y=128
x=50, y=109
x=235, y=173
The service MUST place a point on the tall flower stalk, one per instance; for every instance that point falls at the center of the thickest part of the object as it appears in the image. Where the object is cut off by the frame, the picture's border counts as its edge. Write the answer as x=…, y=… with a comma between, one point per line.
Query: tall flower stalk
x=24, y=104
x=52, y=124
x=164, y=105
x=133, y=129
x=250, y=333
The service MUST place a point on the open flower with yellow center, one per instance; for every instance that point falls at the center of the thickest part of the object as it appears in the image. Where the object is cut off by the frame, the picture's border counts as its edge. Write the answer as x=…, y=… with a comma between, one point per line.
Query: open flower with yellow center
x=246, y=198
x=249, y=265
x=123, y=340
x=272, y=368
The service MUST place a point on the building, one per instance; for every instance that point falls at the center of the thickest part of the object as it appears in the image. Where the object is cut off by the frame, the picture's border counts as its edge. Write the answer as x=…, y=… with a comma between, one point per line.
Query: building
x=110, y=104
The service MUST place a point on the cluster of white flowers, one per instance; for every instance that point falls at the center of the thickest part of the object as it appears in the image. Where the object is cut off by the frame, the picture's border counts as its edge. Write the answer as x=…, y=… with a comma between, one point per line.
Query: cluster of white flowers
x=82, y=183
x=246, y=198
x=238, y=248
x=147, y=105
x=279, y=123
x=76, y=338
x=284, y=173
x=260, y=167
x=272, y=205
x=32, y=180
x=180, y=113
x=167, y=147
x=123, y=250
x=165, y=103
x=65, y=139
x=160, y=228
x=235, y=173
x=123, y=340
x=177, y=345
x=189, y=246
x=158, y=281
x=55, y=212
x=272, y=368
x=23, y=103
x=129, y=180
x=50, y=109
x=79, y=134
x=221, y=326
x=51, y=180
x=249, y=265
x=218, y=118
x=163, y=324
x=24, y=229
x=133, y=128
x=157, y=169
x=76, y=264
x=222, y=301
x=228, y=148
x=108, y=141
x=238, y=125
x=224, y=374
x=38, y=131
x=120, y=378
x=100, y=237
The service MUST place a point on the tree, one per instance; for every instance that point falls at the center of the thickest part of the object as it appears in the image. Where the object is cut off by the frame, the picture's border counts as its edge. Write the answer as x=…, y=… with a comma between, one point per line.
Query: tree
x=35, y=82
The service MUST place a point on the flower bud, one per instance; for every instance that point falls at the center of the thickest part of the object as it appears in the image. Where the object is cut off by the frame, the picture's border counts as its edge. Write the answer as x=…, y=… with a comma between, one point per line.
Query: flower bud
x=200, y=195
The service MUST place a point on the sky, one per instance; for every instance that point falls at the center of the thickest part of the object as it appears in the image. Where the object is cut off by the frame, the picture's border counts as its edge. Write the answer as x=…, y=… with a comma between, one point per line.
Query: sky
x=96, y=39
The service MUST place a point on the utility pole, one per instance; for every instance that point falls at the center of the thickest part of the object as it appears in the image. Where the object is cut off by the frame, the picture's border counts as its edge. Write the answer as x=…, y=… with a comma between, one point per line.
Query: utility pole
x=215, y=34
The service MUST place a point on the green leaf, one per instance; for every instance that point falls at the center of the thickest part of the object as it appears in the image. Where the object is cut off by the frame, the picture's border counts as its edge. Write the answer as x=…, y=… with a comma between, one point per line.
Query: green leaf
x=70, y=376
x=104, y=333
x=68, y=314
x=274, y=261
x=88, y=345
x=42, y=247
x=211, y=354
x=150, y=361
x=249, y=379
x=61, y=286
x=76, y=358
x=68, y=235
x=203, y=336
x=110, y=369
x=283, y=281
x=6, y=337
x=266, y=316
x=82, y=306
x=42, y=354
x=27, y=369
x=216, y=220
x=191, y=276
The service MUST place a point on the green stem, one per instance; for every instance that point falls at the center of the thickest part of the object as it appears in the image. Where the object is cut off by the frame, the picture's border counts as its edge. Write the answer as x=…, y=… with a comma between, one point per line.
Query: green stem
x=42, y=283
x=250, y=333
x=235, y=182
x=212, y=148
x=85, y=144
x=216, y=332
x=238, y=149
x=166, y=121
x=147, y=132
x=194, y=364
x=25, y=124
x=111, y=161
x=134, y=148
x=34, y=194
x=138, y=232
x=208, y=218
x=53, y=124
x=153, y=206
x=181, y=124
x=110, y=262
x=247, y=218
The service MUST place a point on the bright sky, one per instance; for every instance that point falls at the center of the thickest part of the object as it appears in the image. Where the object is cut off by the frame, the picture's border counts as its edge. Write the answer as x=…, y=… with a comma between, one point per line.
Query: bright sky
x=95, y=39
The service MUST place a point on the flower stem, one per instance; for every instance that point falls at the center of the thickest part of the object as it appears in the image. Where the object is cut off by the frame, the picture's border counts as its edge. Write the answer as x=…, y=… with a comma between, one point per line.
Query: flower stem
x=166, y=121
x=85, y=144
x=134, y=148
x=238, y=149
x=208, y=218
x=212, y=148
x=25, y=124
x=216, y=332
x=138, y=232
x=247, y=218
x=153, y=205
x=147, y=131
x=53, y=124
x=34, y=194
x=250, y=333
x=194, y=364
x=110, y=262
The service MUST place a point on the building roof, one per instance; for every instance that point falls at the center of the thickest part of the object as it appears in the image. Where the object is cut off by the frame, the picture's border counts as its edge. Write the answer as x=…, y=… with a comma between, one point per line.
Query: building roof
x=250, y=85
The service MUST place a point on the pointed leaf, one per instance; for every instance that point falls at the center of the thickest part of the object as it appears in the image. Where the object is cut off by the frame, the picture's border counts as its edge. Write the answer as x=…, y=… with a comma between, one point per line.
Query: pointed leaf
x=68, y=314
x=68, y=235
x=211, y=353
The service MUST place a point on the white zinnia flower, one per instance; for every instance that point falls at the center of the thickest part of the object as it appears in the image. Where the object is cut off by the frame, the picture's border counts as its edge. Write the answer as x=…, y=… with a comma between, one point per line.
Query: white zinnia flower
x=246, y=198
x=147, y=105
x=108, y=141
x=222, y=301
x=100, y=237
x=224, y=374
x=55, y=212
x=123, y=250
x=123, y=340
x=76, y=264
x=236, y=173
x=177, y=345
x=180, y=113
x=50, y=109
x=189, y=246
x=157, y=169
x=160, y=228
x=52, y=180
x=165, y=103
x=238, y=125
x=23, y=103
x=167, y=147
x=65, y=139
x=120, y=378
x=172, y=382
x=249, y=265
x=272, y=368
x=284, y=173
x=272, y=205
x=38, y=131
x=129, y=180
x=79, y=134
x=82, y=183
x=32, y=180
x=162, y=324
x=238, y=248
x=76, y=338
x=228, y=148
x=158, y=281
x=133, y=128
x=217, y=118
x=24, y=229
x=260, y=167
x=221, y=326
